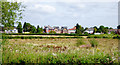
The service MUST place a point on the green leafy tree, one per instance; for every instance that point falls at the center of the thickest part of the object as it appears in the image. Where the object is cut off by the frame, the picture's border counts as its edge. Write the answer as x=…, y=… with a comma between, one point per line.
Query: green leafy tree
x=105, y=31
x=41, y=30
x=79, y=29
x=95, y=30
x=11, y=13
x=110, y=28
x=118, y=27
x=101, y=28
x=95, y=27
x=27, y=27
x=24, y=27
x=38, y=29
x=86, y=28
x=19, y=27
x=33, y=29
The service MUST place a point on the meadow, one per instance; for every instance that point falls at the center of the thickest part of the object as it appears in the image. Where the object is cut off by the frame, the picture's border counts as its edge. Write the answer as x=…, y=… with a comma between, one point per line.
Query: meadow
x=60, y=51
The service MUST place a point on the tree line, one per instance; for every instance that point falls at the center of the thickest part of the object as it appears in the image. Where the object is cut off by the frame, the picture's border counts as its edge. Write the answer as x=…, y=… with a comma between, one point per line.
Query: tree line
x=27, y=27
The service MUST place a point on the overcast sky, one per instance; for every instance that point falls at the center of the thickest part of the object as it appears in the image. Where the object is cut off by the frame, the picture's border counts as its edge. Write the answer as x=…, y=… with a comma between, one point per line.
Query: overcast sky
x=87, y=13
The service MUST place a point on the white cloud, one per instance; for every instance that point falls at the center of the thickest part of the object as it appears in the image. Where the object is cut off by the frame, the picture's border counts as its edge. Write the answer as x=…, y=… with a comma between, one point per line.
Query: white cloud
x=45, y=8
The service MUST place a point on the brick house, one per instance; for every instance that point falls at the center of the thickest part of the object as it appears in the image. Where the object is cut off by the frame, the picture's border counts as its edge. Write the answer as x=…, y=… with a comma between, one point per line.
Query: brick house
x=48, y=28
x=72, y=30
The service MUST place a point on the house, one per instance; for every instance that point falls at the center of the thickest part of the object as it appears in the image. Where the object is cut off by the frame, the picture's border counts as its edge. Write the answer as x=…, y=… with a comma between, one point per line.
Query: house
x=64, y=29
x=72, y=30
x=117, y=31
x=11, y=30
x=48, y=28
x=57, y=29
x=89, y=30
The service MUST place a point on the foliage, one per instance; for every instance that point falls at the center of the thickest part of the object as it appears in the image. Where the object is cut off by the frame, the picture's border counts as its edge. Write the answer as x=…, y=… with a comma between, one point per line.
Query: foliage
x=19, y=27
x=95, y=30
x=118, y=27
x=80, y=42
x=38, y=29
x=29, y=53
x=93, y=43
x=11, y=13
x=33, y=29
x=103, y=29
x=102, y=36
x=79, y=29
x=27, y=27
x=52, y=32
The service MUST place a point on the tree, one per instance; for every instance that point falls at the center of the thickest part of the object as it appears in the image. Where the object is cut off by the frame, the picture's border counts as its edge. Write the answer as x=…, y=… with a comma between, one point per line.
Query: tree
x=95, y=30
x=38, y=29
x=33, y=29
x=79, y=29
x=118, y=27
x=19, y=27
x=41, y=29
x=11, y=13
x=86, y=28
x=95, y=27
x=27, y=27
x=110, y=28
x=24, y=27
x=101, y=28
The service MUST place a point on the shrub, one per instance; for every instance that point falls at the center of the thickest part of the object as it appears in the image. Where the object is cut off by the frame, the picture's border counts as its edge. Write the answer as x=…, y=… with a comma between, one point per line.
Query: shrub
x=80, y=42
x=93, y=43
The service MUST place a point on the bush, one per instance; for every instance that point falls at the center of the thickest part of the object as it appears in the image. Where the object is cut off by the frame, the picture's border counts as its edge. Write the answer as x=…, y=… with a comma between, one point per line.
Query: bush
x=93, y=43
x=80, y=42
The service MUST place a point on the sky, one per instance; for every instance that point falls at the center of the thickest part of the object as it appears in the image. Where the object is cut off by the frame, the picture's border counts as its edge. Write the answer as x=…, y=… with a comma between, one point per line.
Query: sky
x=87, y=13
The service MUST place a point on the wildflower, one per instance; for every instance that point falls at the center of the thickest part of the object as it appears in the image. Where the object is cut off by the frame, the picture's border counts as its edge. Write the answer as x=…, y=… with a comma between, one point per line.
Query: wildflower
x=16, y=50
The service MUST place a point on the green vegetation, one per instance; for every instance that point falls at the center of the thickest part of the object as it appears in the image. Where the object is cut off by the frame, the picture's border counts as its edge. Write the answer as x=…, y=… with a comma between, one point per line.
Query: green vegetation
x=11, y=13
x=52, y=32
x=104, y=36
x=19, y=27
x=93, y=43
x=57, y=51
x=79, y=29
x=80, y=42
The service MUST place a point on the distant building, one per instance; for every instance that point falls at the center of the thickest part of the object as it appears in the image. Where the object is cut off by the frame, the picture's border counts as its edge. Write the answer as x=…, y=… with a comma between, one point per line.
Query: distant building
x=116, y=31
x=89, y=30
x=57, y=29
x=11, y=30
x=64, y=29
x=48, y=28
x=72, y=30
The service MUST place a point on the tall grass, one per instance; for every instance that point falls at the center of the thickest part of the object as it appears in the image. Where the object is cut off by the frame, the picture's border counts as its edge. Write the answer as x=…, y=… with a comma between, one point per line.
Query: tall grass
x=93, y=42
x=80, y=42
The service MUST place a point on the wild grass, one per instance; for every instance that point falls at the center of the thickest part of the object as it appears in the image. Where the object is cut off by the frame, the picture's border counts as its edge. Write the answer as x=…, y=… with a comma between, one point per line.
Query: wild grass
x=93, y=42
x=80, y=42
x=58, y=51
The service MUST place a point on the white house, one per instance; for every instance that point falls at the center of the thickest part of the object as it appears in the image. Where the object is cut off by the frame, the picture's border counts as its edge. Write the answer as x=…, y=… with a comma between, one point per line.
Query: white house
x=11, y=31
x=89, y=30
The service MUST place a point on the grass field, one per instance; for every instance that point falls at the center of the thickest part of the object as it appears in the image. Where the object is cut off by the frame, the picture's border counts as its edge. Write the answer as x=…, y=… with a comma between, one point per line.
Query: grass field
x=61, y=51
